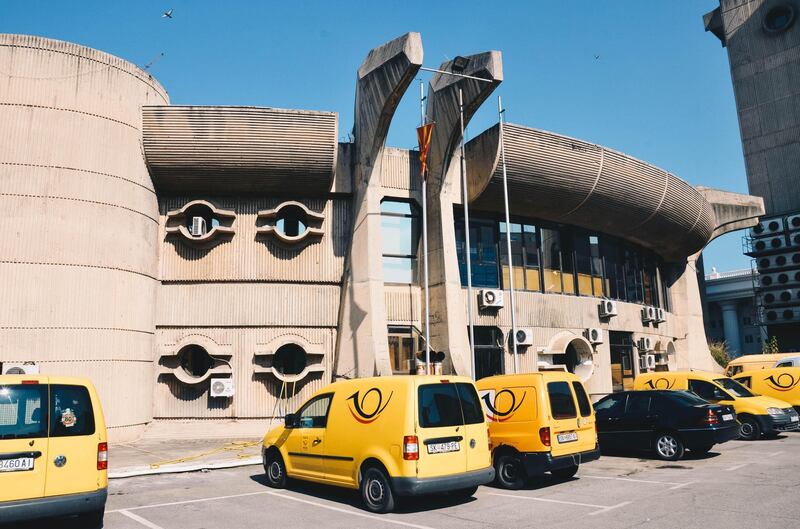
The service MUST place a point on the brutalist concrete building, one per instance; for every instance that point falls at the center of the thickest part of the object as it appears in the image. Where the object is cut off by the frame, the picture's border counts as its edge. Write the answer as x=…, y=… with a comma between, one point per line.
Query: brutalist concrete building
x=762, y=38
x=215, y=265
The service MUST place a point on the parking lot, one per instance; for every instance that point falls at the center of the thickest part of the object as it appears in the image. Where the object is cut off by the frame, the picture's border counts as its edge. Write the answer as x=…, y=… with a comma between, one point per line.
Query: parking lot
x=740, y=484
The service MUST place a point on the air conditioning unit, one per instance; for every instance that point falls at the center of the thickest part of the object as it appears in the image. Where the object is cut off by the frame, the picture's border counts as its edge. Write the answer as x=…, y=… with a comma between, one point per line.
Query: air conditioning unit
x=608, y=308
x=524, y=336
x=221, y=387
x=198, y=226
x=490, y=298
x=793, y=222
x=650, y=361
x=768, y=227
x=778, y=279
x=774, y=262
x=25, y=368
x=594, y=335
x=643, y=363
x=661, y=315
x=645, y=343
x=648, y=314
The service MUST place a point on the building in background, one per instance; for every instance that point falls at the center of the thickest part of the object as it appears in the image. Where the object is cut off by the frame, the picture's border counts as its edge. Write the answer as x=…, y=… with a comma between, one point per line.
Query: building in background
x=213, y=266
x=729, y=312
x=762, y=38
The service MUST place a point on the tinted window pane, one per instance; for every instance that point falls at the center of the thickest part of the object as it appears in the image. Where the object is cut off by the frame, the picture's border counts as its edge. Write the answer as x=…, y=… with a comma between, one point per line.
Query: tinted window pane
x=439, y=406
x=638, y=403
x=705, y=390
x=562, y=405
x=470, y=403
x=315, y=413
x=612, y=404
x=684, y=398
x=397, y=236
x=396, y=207
x=71, y=409
x=733, y=387
x=399, y=270
x=583, y=399
x=745, y=381
x=21, y=413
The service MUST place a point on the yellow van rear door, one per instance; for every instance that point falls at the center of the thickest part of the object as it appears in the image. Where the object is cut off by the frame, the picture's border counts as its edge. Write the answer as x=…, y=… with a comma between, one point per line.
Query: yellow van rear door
x=442, y=434
x=477, y=431
x=564, y=426
x=23, y=440
x=586, y=428
x=72, y=457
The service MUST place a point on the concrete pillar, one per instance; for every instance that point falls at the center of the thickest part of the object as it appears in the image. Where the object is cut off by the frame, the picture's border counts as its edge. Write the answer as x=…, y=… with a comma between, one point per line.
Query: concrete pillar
x=730, y=322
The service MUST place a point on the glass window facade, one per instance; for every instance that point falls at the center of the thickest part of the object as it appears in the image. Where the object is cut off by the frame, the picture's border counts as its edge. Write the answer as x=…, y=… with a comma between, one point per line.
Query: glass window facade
x=400, y=237
x=560, y=259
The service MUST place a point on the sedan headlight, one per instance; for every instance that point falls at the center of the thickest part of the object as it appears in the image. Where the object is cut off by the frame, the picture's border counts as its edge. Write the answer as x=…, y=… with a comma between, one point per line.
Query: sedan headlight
x=775, y=411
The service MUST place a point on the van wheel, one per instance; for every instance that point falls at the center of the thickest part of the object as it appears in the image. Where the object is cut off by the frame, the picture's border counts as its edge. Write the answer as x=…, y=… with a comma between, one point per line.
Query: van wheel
x=91, y=520
x=509, y=472
x=275, y=470
x=668, y=447
x=376, y=491
x=565, y=473
x=749, y=430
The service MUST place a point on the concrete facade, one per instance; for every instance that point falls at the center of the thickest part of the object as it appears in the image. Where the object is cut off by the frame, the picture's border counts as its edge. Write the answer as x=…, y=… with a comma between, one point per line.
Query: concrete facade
x=762, y=38
x=730, y=313
x=162, y=249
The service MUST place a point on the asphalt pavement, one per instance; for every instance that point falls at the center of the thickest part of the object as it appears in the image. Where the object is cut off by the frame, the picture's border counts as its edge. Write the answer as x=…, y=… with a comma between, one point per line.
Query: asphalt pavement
x=738, y=484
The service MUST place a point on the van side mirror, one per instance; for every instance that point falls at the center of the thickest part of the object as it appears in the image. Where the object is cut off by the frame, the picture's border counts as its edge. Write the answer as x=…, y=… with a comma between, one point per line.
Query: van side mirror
x=290, y=421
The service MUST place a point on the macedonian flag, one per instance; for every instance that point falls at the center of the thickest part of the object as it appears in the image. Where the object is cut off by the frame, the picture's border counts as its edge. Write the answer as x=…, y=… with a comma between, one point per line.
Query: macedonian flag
x=424, y=138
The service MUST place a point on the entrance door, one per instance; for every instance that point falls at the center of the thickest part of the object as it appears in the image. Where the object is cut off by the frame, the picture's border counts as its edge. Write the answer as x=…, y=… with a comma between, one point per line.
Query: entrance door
x=488, y=352
x=622, y=374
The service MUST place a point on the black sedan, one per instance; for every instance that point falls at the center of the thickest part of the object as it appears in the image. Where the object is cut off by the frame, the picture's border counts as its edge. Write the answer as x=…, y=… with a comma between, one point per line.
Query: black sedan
x=667, y=422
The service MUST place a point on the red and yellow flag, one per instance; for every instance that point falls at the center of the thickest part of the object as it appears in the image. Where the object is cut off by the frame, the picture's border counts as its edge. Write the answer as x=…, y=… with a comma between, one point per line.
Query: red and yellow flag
x=424, y=138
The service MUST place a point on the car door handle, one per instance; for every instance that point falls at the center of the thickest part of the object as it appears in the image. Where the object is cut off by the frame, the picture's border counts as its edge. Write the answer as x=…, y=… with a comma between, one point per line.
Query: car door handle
x=316, y=441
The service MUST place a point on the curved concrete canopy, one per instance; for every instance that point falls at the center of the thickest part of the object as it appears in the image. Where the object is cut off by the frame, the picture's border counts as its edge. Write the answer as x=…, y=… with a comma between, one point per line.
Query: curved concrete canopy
x=227, y=150
x=562, y=179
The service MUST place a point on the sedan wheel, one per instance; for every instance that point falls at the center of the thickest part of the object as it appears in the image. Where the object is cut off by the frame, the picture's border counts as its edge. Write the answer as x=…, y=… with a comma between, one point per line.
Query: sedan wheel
x=669, y=447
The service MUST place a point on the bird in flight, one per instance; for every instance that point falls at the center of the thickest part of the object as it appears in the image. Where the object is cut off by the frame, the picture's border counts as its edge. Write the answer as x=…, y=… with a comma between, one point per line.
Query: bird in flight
x=167, y=14
x=597, y=57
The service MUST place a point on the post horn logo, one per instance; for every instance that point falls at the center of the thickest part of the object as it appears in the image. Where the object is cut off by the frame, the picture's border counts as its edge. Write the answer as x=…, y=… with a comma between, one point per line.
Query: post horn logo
x=783, y=382
x=659, y=383
x=366, y=410
x=501, y=415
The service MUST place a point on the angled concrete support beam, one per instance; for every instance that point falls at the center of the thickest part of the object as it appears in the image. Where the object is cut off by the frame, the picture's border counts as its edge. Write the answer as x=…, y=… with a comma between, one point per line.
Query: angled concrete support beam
x=448, y=302
x=733, y=211
x=383, y=78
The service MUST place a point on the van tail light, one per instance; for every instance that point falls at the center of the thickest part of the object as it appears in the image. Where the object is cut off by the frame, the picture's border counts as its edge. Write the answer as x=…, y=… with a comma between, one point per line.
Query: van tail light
x=544, y=435
x=410, y=448
x=102, y=456
x=710, y=418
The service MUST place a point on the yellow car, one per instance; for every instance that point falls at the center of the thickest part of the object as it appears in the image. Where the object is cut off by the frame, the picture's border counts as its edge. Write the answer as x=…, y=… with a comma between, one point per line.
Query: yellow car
x=53, y=451
x=386, y=436
x=780, y=382
x=757, y=414
x=538, y=422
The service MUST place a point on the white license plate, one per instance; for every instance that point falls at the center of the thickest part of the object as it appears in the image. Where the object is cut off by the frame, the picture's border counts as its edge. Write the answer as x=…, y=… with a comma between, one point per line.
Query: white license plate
x=795, y=418
x=567, y=437
x=727, y=417
x=13, y=465
x=441, y=448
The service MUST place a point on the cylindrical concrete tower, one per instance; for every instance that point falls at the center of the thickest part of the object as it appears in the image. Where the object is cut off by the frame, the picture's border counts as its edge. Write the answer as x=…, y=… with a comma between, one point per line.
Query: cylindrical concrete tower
x=79, y=222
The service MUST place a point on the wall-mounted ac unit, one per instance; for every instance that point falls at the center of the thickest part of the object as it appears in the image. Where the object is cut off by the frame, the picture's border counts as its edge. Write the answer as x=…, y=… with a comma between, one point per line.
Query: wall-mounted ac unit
x=198, y=226
x=770, y=244
x=793, y=222
x=608, y=308
x=221, y=387
x=661, y=315
x=648, y=314
x=643, y=363
x=524, y=336
x=25, y=368
x=650, y=361
x=490, y=298
x=778, y=279
x=594, y=335
x=768, y=227
x=645, y=344
x=770, y=263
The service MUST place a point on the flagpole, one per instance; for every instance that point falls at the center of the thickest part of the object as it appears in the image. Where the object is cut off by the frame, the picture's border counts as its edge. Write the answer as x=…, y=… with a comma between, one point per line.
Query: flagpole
x=465, y=199
x=500, y=112
x=425, y=239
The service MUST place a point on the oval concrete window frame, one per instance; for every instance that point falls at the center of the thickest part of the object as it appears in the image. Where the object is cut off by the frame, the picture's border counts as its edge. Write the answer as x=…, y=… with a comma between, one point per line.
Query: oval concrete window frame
x=314, y=353
x=313, y=225
x=772, y=15
x=176, y=225
x=219, y=354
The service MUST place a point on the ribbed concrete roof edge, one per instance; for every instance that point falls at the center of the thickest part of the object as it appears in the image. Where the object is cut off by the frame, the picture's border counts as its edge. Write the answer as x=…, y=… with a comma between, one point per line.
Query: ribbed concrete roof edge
x=85, y=52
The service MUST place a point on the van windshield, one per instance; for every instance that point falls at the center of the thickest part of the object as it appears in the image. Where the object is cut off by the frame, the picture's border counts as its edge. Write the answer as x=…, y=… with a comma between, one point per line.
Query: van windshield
x=443, y=405
x=734, y=387
x=21, y=412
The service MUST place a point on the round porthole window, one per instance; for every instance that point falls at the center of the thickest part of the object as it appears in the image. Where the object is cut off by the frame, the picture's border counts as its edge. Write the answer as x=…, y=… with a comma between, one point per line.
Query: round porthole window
x=291, y=221
x=290, y=359
x=779, y=18
x=195, y=361
x=200, y=220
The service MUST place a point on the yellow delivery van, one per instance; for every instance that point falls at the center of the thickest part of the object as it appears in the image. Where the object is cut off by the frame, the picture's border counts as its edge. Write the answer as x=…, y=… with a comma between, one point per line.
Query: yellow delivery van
x=780, y=382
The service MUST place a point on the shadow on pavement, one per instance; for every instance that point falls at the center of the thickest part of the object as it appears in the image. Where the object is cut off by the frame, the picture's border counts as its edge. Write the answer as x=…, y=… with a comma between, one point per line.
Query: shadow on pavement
x=66, y=522
x=406, y=505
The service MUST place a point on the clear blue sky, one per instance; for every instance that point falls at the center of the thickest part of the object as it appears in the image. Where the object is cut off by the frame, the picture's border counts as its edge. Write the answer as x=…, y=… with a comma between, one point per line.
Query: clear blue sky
x=661, y=90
